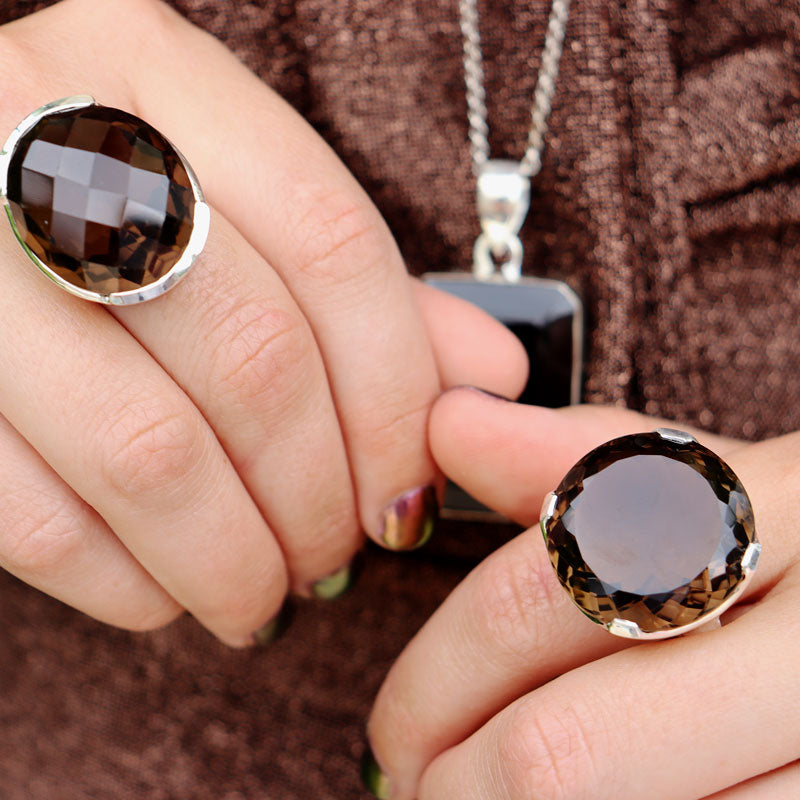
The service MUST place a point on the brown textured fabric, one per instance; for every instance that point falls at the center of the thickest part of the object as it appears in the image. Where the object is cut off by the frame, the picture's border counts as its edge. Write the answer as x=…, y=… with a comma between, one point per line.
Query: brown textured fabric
x=669, y=200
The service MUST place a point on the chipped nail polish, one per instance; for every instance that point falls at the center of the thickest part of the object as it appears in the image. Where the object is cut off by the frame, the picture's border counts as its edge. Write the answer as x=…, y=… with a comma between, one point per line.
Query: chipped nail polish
x=408, y=521
x=372, y=776
x=276, y=627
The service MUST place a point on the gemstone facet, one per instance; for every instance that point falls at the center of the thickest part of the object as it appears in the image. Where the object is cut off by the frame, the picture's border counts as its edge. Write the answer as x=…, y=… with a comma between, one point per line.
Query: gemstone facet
x=101, y=200
x=651, y=530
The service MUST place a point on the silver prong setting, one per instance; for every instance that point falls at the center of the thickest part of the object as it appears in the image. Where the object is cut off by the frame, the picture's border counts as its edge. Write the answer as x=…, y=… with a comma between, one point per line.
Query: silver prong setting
x=548, y=506
x=625, y=629
x=674, y=435
x=548, y=509
x=750, y=558
x=710, y=621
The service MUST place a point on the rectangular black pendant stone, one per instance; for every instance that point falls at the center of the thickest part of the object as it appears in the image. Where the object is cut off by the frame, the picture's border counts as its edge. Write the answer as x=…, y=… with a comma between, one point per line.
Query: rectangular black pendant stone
x=547, y=317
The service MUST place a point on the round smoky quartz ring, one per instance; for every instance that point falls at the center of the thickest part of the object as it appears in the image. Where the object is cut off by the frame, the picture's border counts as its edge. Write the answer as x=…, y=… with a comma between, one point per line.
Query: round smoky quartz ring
x=652, y=535
x=101, y=202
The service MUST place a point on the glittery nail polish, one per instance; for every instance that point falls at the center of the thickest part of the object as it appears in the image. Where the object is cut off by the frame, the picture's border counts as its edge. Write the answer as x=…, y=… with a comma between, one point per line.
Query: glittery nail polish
x=408, y=521
x=276, y=627
x=373, y=778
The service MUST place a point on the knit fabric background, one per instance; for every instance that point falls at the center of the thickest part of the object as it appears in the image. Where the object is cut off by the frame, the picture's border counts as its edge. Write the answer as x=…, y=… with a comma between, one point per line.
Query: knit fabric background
x=668, y=200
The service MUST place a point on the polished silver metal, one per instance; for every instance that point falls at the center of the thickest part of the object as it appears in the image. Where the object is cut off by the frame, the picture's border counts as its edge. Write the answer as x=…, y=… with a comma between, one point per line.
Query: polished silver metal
x=504, y=186
x=531, y=162
x=630, y=630
x=621, y=627
x=750, y=558
x=673, y=435
x=201, y=218
x=503, y=199
x=484, y=266
x=549, y=505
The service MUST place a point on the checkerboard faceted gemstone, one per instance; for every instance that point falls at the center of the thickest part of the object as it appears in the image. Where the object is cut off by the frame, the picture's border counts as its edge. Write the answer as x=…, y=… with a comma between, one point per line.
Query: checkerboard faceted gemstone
x=649, y=530
x=102, y=198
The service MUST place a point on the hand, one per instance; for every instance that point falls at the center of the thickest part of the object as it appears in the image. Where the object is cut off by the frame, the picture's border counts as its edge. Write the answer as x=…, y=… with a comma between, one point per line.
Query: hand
x=216, y=447
x=509, y=693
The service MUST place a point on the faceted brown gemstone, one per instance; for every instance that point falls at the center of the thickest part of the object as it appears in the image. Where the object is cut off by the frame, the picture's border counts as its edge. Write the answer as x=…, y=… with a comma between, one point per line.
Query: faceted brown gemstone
x=101, y=198
x=649, y=530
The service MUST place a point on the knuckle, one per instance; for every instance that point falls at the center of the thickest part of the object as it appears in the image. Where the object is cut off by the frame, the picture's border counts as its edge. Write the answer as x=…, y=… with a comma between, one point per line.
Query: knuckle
x=261, y=356
x=546, y=751
x=515, y=595
x=337, y=239
x=150, y=448
x=43, y=534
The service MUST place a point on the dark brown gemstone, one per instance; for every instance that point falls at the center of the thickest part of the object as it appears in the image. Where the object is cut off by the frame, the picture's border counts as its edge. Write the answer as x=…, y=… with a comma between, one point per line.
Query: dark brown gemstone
x=649, y=530
x=101, y=198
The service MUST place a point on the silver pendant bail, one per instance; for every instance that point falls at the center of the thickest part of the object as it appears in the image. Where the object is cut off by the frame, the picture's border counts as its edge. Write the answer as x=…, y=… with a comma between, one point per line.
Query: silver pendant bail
x=503, y=199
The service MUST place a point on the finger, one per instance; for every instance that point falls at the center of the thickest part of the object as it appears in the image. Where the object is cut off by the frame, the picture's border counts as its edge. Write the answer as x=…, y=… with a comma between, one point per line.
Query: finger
x=118, y=430
x=306, y=214
x=509, y=626
x=241, y=348
x=52, y=540
x=509, y=456
x=599, y=730
x=297, y=204
x=471, y=347
x=781, y=784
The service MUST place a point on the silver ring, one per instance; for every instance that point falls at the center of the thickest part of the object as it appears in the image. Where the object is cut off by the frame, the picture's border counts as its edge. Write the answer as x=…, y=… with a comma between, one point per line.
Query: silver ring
x=652, y=535
x=102, y=203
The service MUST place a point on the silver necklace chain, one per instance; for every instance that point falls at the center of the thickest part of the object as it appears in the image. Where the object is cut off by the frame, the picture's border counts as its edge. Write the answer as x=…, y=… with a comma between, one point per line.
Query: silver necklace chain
x=503, y=190
x=531, y=162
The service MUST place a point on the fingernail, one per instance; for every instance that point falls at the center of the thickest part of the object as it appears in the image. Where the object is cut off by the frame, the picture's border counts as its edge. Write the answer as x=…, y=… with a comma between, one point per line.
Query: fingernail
x=276, y=627
x=335, y=584
x=373, y=777
x=407, y=522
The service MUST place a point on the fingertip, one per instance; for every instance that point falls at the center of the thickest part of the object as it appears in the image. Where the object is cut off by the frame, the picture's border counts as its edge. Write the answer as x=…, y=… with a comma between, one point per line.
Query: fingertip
x=471, y=346
x=373, y=777
x=274, y=629
x=408, y=521
x=465, y=418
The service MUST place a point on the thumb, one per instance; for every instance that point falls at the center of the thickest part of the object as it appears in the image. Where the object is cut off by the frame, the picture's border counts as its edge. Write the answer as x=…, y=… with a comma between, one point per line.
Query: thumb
x=509, y=456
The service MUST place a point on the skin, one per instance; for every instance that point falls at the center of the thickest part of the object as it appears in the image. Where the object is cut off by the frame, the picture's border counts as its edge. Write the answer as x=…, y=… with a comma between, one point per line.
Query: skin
x=509, y=692
x=231, y=441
